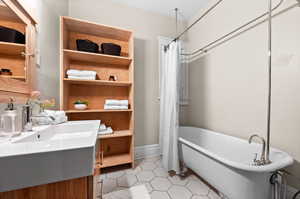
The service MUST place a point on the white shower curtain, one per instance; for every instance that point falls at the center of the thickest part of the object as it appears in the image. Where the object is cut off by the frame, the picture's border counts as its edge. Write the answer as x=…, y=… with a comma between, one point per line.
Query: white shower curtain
x=169, y=106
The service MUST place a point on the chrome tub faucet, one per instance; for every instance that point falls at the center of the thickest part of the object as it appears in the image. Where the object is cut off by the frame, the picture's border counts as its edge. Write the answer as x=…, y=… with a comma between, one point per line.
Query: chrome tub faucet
x=262, y=160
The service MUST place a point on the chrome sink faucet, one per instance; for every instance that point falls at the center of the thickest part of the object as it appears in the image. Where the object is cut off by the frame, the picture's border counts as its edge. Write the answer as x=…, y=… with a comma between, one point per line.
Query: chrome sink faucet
x=262, y=160
x=29, y=120
x=26, y=118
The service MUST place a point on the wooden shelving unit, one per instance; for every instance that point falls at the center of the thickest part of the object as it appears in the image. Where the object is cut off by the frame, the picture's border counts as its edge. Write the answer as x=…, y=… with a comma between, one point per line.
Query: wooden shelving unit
x=11, y=48
x=13, y=77
x=74, y=55
x=97, y=82
x=8, y=15
x=96, y=111
x=11, y=53
x=117, y=148
x=124, y=133
x=115, y=160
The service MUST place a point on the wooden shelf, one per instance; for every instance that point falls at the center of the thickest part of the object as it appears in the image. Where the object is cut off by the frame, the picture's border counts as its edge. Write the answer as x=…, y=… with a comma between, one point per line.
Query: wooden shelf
x=13, y=77
x=97, y=82
x=11, y=48
x=75, y=55
x=7, y=14
x=90, y=28
x=97, y=111
x=114, y=160
x=116, y=134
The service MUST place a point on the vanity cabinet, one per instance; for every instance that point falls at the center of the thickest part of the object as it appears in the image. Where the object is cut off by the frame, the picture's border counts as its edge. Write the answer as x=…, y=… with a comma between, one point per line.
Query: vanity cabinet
x=18, y=58
x=80, y=188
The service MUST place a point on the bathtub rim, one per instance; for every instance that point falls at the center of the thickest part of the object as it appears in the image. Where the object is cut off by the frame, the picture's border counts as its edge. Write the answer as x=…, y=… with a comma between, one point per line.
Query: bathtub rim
x=285, y=162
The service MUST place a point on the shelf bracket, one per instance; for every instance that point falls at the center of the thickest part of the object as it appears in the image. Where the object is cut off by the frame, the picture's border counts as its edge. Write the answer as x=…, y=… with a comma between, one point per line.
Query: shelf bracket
x=27, y=54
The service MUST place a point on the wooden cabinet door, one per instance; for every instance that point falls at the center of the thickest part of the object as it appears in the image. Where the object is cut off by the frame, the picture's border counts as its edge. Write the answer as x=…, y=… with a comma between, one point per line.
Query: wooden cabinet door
x=18, y=58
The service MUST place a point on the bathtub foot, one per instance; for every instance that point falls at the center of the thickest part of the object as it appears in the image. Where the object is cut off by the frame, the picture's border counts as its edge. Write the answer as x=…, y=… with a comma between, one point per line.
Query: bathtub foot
x=183, y=170
x=184, y=173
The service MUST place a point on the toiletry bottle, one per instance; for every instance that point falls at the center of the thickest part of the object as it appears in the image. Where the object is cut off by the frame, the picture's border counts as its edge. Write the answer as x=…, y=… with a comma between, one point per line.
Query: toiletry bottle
x=9, y=120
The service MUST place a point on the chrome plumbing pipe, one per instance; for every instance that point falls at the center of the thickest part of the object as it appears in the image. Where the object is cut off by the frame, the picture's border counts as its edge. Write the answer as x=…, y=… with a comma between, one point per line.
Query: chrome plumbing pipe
x=269, y=82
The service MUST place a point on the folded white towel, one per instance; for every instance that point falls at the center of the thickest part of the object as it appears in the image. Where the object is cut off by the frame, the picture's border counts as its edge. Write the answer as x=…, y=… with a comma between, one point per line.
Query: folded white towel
x=102, y=127
x=55, y=113
x=82, y=77
x=110, y=107
x=60, y=120
x=81, y=73
x=116, y=102
x=42, y=121
x=106, y=131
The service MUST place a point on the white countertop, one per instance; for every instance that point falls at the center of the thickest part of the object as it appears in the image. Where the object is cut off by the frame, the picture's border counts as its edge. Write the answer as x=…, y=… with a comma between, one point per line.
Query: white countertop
x=59, y=141
x=48, y=154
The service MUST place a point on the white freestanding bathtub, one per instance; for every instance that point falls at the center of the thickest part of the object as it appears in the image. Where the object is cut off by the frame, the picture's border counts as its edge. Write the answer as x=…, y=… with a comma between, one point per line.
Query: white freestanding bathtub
x=226, y=163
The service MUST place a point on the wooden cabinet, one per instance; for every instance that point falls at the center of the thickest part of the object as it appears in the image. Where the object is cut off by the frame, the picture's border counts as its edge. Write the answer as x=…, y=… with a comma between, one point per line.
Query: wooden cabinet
x=115, y=149
x=18, y=58
x=80, y=188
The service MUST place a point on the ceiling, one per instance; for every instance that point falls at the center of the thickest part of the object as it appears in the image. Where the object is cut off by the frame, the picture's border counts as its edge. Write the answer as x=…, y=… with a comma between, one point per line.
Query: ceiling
x=187, y=8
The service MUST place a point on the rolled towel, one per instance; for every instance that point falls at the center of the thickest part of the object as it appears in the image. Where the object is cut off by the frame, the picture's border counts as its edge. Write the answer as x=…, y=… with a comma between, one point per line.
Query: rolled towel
x=116, y=102
x=110, y=107
x=81, y=73
x=82, y=77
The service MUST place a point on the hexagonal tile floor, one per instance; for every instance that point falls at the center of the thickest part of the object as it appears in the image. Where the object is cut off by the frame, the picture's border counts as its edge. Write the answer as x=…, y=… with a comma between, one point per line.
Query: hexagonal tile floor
x=157, y=180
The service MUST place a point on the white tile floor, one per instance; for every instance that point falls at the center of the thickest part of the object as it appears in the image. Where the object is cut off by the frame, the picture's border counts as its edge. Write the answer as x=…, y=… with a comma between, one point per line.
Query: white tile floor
x=159, y=184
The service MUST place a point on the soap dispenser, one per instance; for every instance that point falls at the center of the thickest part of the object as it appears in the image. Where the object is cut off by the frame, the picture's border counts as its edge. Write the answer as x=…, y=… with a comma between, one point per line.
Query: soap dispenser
x=9, y=120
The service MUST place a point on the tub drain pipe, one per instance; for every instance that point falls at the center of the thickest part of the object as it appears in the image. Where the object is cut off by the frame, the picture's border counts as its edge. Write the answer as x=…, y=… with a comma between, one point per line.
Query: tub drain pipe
x=279, y=185
x=296, y=194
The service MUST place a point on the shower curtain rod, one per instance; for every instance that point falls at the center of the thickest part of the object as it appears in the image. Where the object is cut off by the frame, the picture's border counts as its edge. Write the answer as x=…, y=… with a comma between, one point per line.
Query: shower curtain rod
x=222, y=38
x=226, y=39
x=204, y=49
x=195, y=22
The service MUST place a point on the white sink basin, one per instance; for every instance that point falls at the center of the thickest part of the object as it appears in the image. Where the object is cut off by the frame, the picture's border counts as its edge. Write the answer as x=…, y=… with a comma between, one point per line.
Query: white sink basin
x=68, y=131
x=49, y=154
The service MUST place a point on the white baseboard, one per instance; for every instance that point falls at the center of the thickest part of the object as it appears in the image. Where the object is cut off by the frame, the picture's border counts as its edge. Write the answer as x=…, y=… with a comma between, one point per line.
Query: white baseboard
x=147, y=151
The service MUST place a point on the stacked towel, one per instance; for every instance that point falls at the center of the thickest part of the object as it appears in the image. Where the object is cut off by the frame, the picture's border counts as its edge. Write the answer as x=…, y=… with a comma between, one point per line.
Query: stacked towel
x=103, y=130
x=110, y=107
x=81, y=78
x=81, y=74
x=107, y=131
x=116, y=104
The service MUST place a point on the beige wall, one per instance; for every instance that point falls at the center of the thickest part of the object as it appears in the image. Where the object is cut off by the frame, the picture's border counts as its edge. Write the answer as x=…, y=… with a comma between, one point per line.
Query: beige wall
x=49, y=12
x=228, y=86
x=147, y=27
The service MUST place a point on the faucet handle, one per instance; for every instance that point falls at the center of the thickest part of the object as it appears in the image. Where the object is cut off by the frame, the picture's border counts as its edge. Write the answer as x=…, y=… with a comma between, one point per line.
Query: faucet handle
x=10, y=104
x=255, y=157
